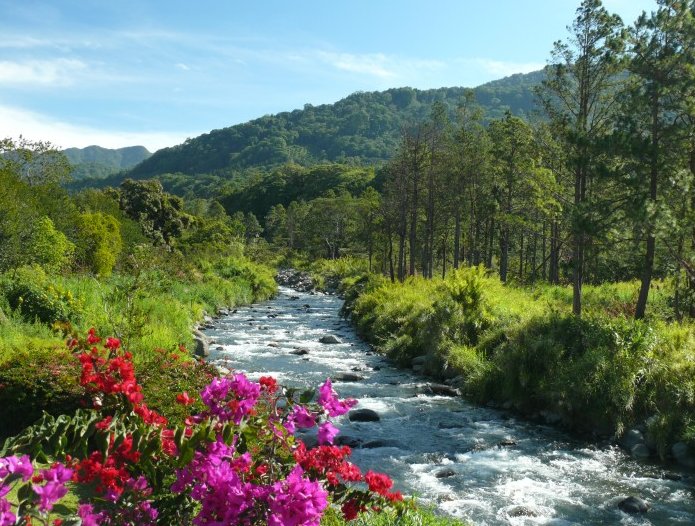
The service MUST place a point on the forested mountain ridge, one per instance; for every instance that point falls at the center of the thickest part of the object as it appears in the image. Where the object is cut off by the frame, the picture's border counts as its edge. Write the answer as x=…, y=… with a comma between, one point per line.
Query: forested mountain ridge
x=363, y=128
x=98, y=162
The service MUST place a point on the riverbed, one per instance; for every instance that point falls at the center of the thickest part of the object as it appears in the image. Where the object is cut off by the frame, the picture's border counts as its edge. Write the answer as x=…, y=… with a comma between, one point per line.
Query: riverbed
x=471, y=462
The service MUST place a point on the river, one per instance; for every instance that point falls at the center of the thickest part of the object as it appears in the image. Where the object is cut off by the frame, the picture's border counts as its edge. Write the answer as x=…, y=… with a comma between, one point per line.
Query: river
x=445, y=450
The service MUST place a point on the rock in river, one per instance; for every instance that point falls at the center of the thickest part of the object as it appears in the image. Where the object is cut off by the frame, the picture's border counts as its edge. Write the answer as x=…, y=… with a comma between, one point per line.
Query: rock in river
x=634, y=505
x=347, y=377
x=363, y=415
x=330, y=339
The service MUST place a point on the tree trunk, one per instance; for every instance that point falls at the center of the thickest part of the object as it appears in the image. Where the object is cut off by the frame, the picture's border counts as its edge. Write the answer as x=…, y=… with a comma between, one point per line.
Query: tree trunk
x=651, y=237
x=457, y=237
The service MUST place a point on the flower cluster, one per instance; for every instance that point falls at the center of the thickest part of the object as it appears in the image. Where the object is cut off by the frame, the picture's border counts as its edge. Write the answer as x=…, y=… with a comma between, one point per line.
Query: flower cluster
x=48, y=486
x=110, y=371
x=236, y=462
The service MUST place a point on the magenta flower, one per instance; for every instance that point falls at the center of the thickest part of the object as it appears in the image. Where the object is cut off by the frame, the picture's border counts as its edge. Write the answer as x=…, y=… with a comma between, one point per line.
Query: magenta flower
x=89, y=518
x=302, y=417
x=328, y=399
x=327, y=432
x=245, y=395
x=296, y=501
x=49, y=494
x=57, y=473
x=7, y=518
x=16, y=466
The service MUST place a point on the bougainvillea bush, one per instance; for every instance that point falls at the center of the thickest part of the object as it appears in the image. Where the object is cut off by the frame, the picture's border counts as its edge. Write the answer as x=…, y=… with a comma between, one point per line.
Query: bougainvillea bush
x=234, y=460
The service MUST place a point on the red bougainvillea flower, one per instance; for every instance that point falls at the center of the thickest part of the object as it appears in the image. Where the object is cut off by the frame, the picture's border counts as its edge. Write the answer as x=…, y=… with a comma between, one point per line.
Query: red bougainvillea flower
x=378, y=482
x=92, y=337
x=184, y=399
x=268, y=383
x=112, y=343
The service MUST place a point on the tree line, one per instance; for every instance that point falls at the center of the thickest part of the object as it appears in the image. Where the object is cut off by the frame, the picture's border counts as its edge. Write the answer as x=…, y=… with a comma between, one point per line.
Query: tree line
x=599, y=187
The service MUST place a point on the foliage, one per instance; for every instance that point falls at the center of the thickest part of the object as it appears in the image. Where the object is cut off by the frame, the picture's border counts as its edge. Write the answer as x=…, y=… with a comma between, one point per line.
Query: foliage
x=237, y=458
x=99, y=242
x=30, y=292
x=523, y=347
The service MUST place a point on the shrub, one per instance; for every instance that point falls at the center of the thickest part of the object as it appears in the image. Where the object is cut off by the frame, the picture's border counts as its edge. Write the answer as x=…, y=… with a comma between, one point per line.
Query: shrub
x=30, y=293
x=34, y=382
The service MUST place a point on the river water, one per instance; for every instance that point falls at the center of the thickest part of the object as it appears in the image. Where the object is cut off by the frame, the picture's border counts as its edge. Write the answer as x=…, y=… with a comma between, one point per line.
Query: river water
x=545, y=477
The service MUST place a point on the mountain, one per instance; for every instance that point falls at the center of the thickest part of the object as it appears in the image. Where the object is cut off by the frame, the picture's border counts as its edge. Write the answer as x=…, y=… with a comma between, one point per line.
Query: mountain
x=97, y=162
x=363, y=128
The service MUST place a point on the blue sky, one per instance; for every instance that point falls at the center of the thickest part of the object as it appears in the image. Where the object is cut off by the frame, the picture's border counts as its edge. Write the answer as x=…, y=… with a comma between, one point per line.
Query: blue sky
x=144, y=72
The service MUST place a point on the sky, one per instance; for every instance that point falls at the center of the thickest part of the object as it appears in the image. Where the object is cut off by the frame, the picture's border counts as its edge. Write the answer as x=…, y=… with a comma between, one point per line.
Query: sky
x=129, y=72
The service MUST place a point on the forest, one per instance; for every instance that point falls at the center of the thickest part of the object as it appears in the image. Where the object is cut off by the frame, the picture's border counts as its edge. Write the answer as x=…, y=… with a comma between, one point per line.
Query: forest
x=530, y=241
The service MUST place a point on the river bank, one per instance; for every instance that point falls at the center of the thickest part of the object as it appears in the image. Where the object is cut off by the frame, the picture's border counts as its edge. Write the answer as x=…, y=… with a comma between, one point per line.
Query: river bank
x=603, y=377
x=478, y=463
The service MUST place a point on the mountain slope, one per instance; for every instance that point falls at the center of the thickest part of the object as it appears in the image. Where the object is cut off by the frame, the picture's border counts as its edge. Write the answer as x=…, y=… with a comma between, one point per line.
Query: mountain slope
x=98, y=162
x=361, y=128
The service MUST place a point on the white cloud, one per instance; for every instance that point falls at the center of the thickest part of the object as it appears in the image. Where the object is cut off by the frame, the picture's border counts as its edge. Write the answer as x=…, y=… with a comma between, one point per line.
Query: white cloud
x=57, y=72
x=182, y=66
x=503, y=68
x=379, y=65
x=15, y=122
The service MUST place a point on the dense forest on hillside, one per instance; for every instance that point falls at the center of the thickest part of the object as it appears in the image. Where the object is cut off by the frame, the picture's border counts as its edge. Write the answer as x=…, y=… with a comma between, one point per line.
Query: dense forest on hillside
x=96, y=162
x=363, y=128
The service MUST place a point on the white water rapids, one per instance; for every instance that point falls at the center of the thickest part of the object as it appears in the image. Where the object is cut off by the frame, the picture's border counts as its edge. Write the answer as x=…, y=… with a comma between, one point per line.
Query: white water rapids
x=547, y=477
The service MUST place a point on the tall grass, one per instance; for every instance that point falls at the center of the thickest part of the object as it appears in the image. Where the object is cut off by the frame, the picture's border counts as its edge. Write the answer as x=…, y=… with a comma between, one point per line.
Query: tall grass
x=522, y=346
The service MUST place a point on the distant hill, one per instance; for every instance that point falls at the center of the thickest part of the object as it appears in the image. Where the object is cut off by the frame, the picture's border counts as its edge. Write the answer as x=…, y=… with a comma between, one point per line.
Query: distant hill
x=97, y=162
x=363, y=128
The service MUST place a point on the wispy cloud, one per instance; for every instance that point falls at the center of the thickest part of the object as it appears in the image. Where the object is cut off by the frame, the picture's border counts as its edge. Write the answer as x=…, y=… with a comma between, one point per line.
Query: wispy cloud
x=57, y=72
x=17, y=121
x=379, y=65
x=504, y=69
x=183, y=66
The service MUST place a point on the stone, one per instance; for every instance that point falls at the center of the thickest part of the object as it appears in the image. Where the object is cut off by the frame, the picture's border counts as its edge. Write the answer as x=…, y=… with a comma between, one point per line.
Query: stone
x=418, y=369
x=445, y=473
x=363, y=415
x=418, y=360
x=347, y=377
x=443, y=390
x=507, y=442
x=640, y=451
x=273, y=344
x=632, y=438
x=349, y=441
x=683, y=454
x=374, y=444
x=329, y=339
x=522, y=511
x=634, y=505
x=202, y=347
x=299, y=352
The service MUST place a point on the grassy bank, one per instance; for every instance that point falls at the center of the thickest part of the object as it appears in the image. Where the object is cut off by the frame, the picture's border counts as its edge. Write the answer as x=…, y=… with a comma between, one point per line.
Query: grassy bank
x=152, y=309
x=522, y=348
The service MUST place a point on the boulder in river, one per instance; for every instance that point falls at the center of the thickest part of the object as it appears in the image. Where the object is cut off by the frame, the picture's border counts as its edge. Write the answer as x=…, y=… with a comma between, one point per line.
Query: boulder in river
x=299, y=352
x=632, y=438
x=329, y=339
x=418, y=360
x=349, y=441
x=382, y=442
x=634, y=505
x=202, y=347
x=363, y=415
x=507, y=442
x=522, y=511
x=445, y=473
x=347, y=377
x=640, y=451
x=683, y=454
x=443, y=390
